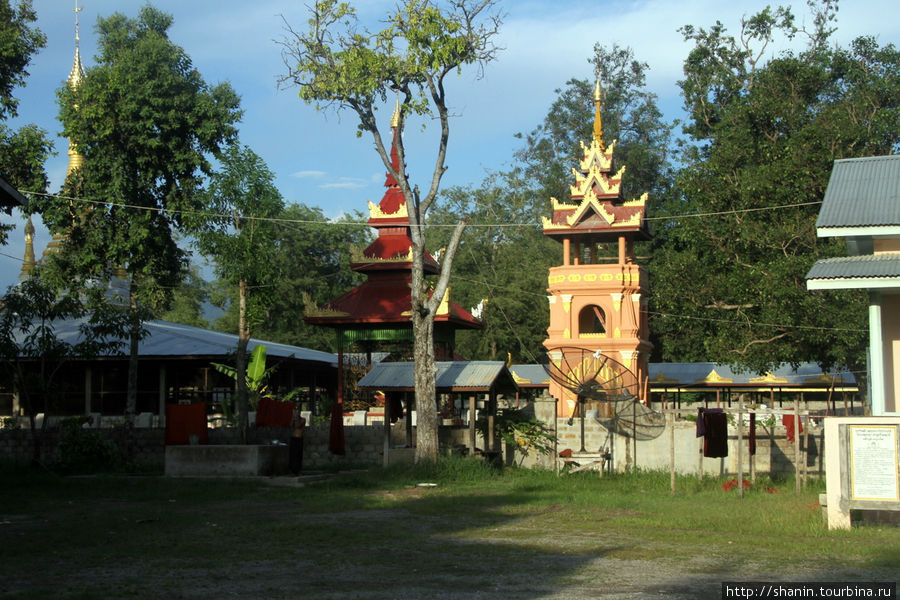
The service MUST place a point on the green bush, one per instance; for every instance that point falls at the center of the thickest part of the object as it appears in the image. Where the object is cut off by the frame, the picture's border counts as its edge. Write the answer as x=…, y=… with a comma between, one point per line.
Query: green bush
x=84, y=450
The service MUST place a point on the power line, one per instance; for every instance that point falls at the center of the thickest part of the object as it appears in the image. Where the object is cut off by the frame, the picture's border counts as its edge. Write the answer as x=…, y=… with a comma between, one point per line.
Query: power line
x=212, y=215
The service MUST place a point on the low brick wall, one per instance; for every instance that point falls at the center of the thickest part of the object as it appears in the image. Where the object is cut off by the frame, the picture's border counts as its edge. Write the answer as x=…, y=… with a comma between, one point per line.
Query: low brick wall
x=774, y=453
x=363, y=444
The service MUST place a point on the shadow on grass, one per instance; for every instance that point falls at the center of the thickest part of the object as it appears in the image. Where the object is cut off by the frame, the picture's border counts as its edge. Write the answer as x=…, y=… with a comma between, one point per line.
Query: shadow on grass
x=376, y=534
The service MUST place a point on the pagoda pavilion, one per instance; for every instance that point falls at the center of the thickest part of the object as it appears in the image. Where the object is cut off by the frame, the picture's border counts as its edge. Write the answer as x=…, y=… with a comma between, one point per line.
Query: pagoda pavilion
x=598, y=304
x=377, y=313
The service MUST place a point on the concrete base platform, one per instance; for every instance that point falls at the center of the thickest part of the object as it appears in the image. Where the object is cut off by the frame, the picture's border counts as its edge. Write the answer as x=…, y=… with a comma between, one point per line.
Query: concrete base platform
x=226, y=460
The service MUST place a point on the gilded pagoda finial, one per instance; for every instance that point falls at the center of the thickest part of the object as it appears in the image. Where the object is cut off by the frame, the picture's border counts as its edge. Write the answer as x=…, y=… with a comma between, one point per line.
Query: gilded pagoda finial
x=598, y=119
x=77, y=73
x=395, y=118
x=28, y=263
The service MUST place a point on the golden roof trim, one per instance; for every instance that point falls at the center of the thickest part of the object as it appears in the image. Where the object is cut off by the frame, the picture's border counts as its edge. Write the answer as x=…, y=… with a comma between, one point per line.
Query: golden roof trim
x=375, y=212
x=769, y=377
x=714, y=377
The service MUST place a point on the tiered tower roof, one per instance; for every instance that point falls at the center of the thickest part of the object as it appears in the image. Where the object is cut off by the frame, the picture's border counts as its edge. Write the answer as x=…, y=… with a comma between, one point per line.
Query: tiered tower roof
x=597, y=208
x=392, y=249
x=384, y=299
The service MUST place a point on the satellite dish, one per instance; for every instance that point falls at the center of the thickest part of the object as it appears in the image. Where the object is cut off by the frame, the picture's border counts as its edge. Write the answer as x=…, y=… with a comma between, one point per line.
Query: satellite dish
x=595, y=377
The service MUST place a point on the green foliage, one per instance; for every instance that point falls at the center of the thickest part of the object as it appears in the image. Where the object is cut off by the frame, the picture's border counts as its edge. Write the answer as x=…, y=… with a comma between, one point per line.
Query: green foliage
x=504, y=259
x=145, y=123
x=22, y=151
x=521, y=431
x=257, y=375
x=188, y=301
x=31, y=350
x=312, y=266
x=765, y=135
x=18, y=42
x=237, y=231
x=506, y=266
x=85, y=450
x=336, y=64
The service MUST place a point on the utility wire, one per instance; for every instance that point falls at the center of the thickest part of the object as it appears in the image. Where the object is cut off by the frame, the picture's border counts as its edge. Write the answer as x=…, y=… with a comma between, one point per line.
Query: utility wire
x=357, y=223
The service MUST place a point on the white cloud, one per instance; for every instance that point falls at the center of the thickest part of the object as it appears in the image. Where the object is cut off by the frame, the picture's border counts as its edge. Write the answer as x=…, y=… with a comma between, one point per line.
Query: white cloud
x=309, y=174
x=345, y=183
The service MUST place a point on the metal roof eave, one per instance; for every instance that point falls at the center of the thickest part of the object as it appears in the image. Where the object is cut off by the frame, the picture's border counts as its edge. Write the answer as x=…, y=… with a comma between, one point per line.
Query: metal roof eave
x=874, y=231
x=854, y=283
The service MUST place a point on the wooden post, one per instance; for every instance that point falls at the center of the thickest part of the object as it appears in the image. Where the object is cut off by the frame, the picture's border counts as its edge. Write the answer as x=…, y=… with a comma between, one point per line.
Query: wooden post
x=387, y=432
x=409, y=425
x=752, y=457
x=489, y=442
x=797, y=443
x=87, y=390
x=740, y=445
x=805, y=440
x=162, y=395
x=670, y=421
x=473, y=404
x=700, y=464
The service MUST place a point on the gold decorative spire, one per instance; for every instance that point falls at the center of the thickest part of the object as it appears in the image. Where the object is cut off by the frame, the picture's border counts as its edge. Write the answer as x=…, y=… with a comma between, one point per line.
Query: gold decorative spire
x=598, y=119
x=395, y=118
x=75, y=78
x=28, y=262
x=77, y=73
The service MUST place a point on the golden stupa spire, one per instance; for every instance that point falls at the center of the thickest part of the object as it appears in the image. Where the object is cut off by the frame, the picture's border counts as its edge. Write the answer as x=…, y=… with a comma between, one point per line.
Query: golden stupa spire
x=77, y=73
x=28, y=262
x=75, y=77
x=598, y=119
x=395, y=118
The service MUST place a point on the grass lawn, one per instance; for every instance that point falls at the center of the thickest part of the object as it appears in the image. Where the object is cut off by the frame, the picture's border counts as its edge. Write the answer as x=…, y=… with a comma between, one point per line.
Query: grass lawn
x=478, y=533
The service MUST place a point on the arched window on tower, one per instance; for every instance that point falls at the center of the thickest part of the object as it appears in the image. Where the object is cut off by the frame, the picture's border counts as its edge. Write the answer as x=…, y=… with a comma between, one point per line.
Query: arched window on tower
x=591, y=321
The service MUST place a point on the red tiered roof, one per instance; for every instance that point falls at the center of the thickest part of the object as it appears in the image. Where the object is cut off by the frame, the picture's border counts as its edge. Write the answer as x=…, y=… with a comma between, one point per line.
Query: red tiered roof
x=387, y=263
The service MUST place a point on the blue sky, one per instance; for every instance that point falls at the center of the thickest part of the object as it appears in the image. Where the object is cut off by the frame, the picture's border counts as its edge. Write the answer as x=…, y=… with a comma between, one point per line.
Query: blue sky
x=316, y=156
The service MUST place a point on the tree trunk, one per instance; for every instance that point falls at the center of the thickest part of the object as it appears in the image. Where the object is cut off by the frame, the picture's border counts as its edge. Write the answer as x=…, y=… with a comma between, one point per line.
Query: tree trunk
x=240, y=364
x=134, y=335
x=426, y=400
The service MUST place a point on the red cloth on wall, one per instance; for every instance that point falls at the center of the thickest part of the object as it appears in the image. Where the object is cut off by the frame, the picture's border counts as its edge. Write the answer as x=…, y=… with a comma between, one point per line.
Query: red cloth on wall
x=185, y=420
x=788, y=422
x=272, y=413
x=712, y=424
x=752, y=433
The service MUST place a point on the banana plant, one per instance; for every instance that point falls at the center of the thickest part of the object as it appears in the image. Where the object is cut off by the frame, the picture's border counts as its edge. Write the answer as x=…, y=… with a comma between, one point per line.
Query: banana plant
x=257, y=377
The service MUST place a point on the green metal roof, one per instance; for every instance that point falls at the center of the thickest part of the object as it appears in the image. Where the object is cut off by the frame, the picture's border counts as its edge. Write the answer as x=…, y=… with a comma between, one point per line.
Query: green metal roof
x=862, y=192
x=868, y=271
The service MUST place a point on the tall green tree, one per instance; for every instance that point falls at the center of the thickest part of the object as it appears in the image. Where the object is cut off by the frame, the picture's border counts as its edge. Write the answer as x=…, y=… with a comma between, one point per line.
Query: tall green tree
x=189, y=300
x=22, y=151
x=146, y=124
x=763, y=137
x=240, y=236
x=500, y=267
x=340, y=65
x=313, y=267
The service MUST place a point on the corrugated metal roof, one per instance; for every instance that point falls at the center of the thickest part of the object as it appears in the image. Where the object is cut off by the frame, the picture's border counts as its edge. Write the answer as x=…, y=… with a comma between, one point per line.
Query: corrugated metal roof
x=856, y=267
x=167, y=339
x=709, y=374
x=530, y=375
x=862, y=192
x=457, y=376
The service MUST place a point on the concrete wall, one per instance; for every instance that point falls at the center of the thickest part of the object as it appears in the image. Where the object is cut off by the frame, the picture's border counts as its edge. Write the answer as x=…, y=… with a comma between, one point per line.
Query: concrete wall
x=364, y=445
x=774, y=453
